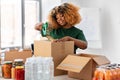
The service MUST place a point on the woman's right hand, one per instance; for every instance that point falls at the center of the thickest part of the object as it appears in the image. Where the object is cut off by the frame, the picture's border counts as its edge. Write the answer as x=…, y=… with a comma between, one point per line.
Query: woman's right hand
x=38, y=26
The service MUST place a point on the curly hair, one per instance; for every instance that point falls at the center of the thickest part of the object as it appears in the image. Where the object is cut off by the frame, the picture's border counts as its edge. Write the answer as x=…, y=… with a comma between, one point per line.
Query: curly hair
x=69, y=11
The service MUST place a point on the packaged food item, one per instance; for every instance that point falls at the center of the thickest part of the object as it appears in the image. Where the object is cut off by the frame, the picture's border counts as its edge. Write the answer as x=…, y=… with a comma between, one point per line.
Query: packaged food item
x=19, y=73
x=114, y=73
x=117, y=69
x=7, y=69
x=107, y=72
x=39, y=68
x=13, y=71
x=98, y=74
x=19, y=69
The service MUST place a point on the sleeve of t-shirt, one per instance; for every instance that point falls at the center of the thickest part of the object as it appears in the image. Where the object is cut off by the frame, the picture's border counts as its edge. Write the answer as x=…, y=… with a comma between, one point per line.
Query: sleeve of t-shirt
x=81, y=36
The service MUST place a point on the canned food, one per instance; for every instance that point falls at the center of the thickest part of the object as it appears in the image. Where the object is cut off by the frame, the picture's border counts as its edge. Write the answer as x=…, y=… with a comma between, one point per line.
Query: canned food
x=7, y=69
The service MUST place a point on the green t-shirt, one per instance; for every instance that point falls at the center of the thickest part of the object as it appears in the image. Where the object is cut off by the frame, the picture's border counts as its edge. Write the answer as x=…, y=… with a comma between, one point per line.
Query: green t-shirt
x=72, y=32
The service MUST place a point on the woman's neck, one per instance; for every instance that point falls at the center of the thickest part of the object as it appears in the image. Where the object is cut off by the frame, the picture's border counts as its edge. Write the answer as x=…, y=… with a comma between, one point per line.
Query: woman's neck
x=67, y=26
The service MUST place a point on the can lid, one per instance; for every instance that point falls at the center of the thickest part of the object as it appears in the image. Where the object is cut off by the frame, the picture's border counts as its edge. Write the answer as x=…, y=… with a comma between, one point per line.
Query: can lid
x=18, y=60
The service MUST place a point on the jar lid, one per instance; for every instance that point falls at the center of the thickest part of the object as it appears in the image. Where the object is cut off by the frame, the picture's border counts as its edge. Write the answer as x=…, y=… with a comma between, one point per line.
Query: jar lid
x=7, y=62
x=18, y=60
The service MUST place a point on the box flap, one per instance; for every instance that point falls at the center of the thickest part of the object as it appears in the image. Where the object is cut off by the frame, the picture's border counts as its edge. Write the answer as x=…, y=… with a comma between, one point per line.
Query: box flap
x=42, y=48
x=88, y=55
x=100, y=60
x=73, y=63
x=14, y=54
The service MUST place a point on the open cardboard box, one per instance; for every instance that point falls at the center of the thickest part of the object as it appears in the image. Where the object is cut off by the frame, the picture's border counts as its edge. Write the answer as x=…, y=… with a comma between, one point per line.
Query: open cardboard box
x=57, y=50
x=82, y=66
x=16, y=54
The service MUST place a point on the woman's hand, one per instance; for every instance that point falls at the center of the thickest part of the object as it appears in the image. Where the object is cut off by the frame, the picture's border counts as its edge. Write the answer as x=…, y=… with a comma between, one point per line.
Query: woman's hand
x=38, y=26
x=66, y=38
x=79, y=43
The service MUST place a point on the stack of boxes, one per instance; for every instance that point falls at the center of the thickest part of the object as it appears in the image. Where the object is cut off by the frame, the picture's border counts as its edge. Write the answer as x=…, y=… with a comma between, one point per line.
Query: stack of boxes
x=81, y=66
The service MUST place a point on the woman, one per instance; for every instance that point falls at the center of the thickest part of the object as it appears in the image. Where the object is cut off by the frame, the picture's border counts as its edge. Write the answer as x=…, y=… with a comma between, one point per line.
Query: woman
x=62, y=20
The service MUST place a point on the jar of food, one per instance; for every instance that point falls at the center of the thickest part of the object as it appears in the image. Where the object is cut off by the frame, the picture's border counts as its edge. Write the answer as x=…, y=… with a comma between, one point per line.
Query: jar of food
x=7, y=69
x=13, y=71
x=19, y=73
x=19, y=69
x=108, y=74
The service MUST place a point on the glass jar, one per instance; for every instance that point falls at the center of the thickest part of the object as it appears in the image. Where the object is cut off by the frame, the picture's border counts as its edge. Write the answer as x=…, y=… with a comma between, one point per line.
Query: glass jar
x=19, y=69
x=13, y=71
x=7, y=69
x=19, y=73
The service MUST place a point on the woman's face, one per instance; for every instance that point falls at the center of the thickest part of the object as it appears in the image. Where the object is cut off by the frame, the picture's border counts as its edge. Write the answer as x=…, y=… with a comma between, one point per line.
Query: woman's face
x=60, y=19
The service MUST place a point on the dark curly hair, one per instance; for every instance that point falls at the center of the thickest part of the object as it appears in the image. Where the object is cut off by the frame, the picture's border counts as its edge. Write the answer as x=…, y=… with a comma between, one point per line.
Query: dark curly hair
x=69, y=11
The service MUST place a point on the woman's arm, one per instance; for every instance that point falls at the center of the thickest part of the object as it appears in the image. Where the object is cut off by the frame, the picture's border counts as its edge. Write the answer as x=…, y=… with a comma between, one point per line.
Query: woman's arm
x=38, y=26
x=79, y=43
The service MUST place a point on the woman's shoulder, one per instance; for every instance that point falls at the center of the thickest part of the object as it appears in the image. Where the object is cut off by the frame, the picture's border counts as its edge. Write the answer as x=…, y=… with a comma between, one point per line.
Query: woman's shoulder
x=77, y=29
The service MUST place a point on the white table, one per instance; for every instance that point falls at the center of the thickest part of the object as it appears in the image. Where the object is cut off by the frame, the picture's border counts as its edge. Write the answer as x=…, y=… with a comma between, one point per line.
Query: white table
x=63, y=77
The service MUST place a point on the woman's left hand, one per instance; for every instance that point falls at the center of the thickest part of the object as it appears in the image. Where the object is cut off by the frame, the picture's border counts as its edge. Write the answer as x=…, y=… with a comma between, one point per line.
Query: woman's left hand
x=66, y=38
x=79, y=43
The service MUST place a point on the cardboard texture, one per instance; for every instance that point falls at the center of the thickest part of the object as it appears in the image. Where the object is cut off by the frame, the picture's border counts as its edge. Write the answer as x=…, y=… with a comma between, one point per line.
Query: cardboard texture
x=15, y=54
x=82, y=66
x=57, y=50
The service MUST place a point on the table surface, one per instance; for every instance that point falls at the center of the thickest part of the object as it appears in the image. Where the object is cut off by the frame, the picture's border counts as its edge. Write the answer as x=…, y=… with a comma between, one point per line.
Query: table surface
x=62, y=77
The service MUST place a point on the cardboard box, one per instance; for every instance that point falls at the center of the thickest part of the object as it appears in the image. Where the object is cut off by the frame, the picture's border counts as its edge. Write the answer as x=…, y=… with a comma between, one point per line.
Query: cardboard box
x=57, y=50
x=16, y=54
x=82, y=66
